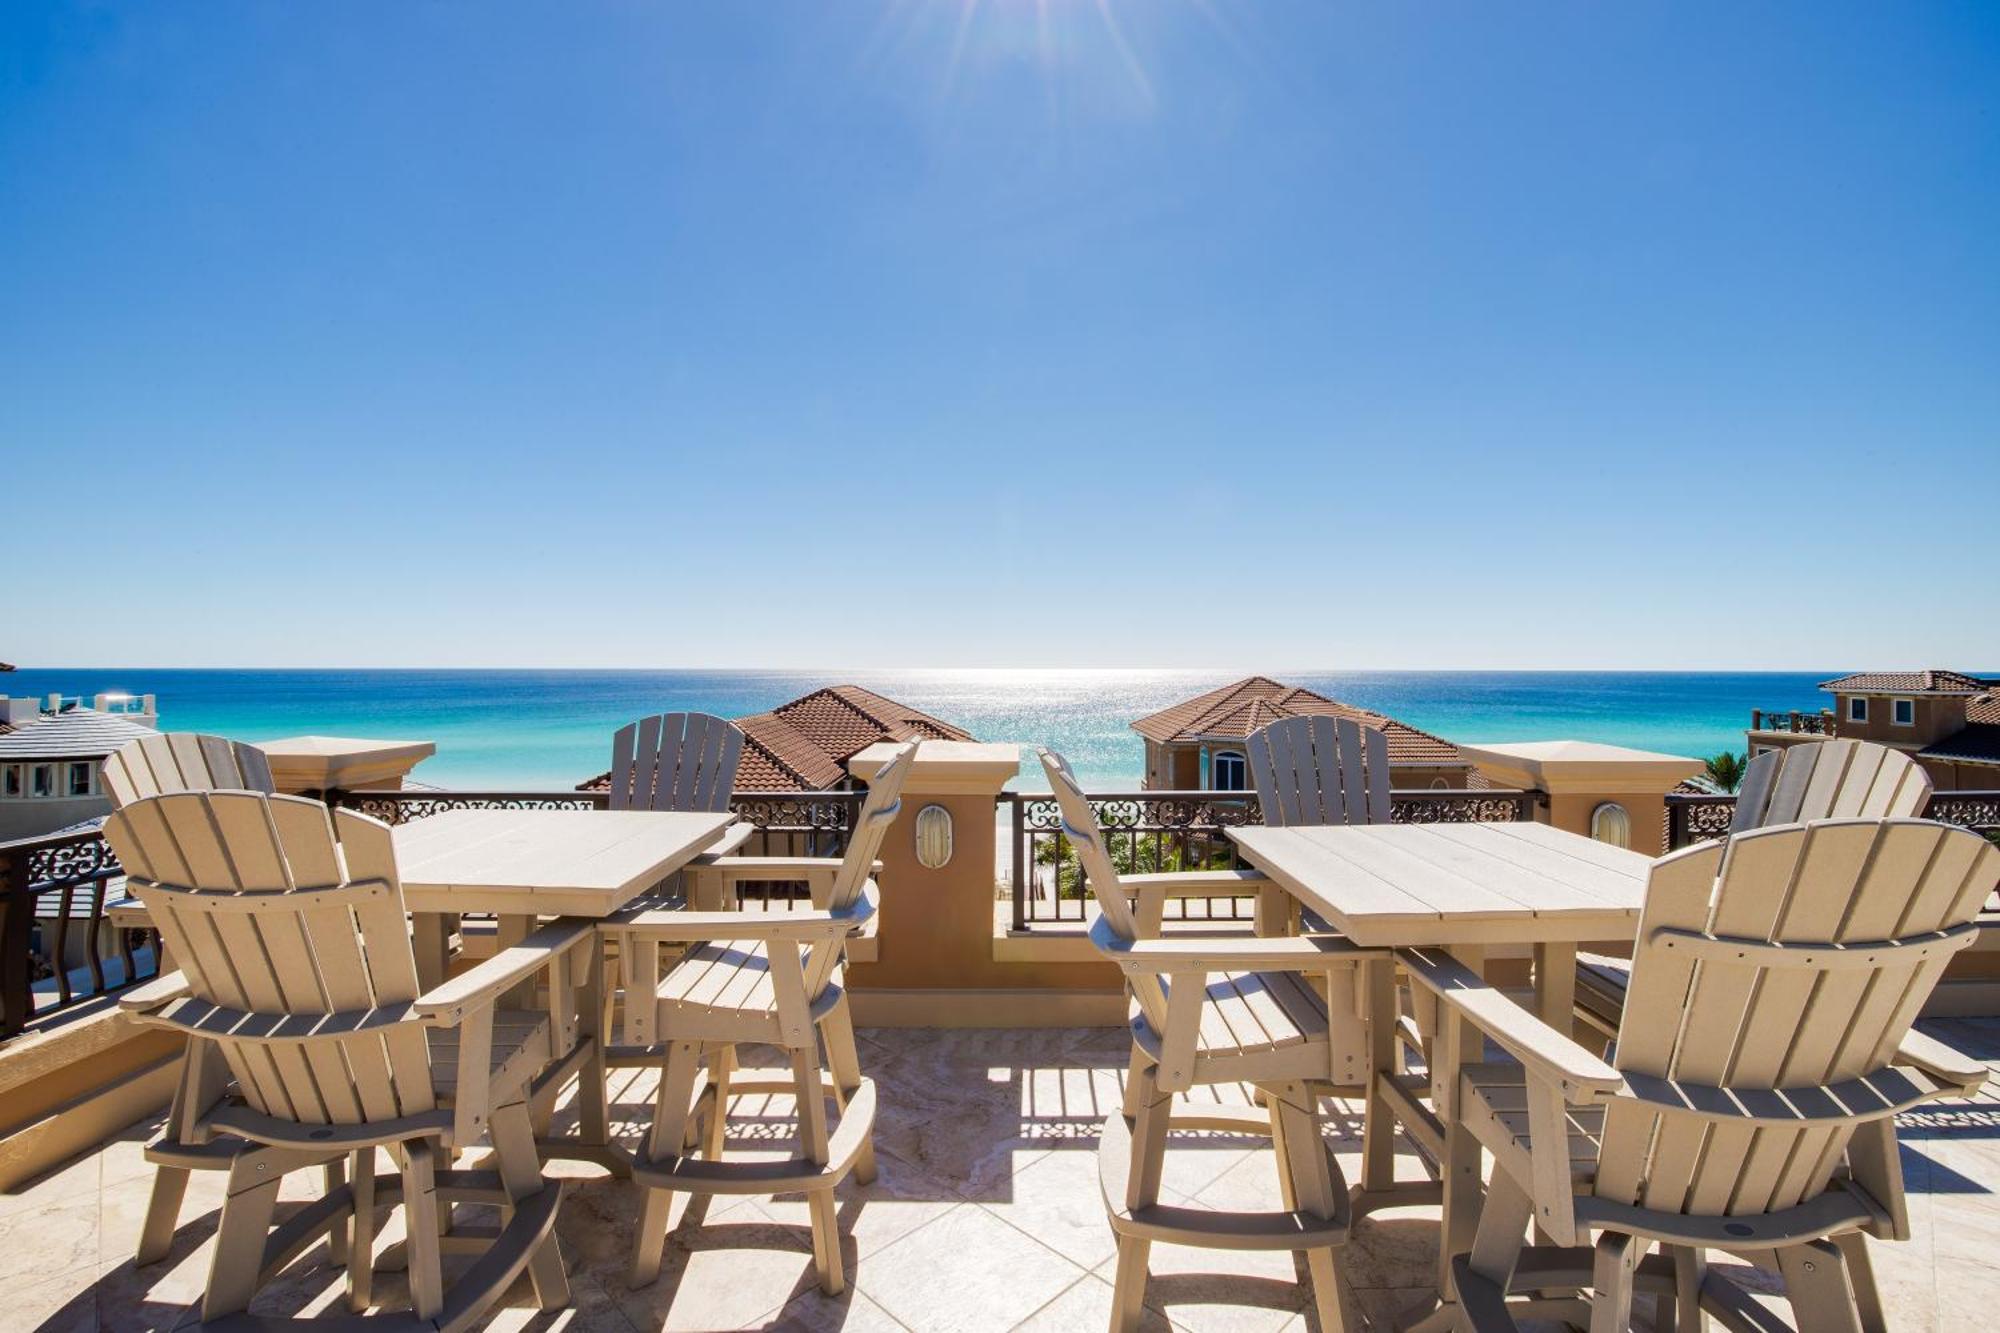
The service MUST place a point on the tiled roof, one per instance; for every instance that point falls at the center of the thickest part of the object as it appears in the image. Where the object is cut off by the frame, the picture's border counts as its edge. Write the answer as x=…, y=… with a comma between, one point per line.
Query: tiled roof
x=1983, y=707
x=1977, y=743
x=804, y=745
x=1932, y=681
x=80, y=733
x=1234, y=711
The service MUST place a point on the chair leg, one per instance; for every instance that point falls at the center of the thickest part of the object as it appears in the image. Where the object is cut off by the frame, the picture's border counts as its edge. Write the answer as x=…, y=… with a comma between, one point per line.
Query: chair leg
x=1129, y=1291
x=1861, y=1272
x=814, y=1147
x=1690, y=1271
x=843, y=1057
x=163, y=1213
x=241, y=1235
x=1503, y=1230
x=421, y=1220
x=1138, y=1062
x=334, y=1174
x=1311, y=1186
x=721, y=1067
x=670, y=1114
x=1149, y=1139
x=521, y=1176
x=1817, y=1284
x=361, y=1249
x=1611, y=1280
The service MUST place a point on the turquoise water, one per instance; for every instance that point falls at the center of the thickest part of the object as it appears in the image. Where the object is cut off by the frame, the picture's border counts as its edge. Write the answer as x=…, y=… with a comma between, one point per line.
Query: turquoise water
x=549, y=729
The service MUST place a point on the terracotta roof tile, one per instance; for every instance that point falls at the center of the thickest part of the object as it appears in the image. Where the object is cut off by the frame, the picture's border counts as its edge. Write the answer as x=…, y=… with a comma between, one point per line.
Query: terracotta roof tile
x=1977, y=743
x=1234, y=711
x=1932, y=681
x=1984, y=707
x=804, y=745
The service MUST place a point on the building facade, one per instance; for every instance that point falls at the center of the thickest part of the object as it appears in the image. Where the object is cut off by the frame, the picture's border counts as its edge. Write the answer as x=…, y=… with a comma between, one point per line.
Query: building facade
x=1949, y=722
x=1199, y=744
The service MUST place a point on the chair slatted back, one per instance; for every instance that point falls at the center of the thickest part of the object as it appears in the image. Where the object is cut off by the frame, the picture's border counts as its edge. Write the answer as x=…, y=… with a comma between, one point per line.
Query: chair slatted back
x=1320, y=770
x=1080, y=826
x=287, y=916
x=878, y=811
x=1829, y=780
x=675, y=761
x=183, y=761
x=1792, y=957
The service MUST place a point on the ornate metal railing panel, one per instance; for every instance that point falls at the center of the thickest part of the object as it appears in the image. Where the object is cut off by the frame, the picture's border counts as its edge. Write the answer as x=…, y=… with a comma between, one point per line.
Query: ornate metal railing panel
x=788, y=823
x=1151, y=831
x=1692, y=819
x=54, y=949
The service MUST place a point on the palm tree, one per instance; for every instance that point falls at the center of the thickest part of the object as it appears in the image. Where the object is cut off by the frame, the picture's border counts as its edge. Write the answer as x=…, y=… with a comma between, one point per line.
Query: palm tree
x=1725, y=770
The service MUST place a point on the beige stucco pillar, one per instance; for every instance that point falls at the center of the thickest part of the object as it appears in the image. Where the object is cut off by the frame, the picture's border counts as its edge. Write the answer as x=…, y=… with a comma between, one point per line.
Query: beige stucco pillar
x=319, y=764
x=1583, y=776
x=934, y=963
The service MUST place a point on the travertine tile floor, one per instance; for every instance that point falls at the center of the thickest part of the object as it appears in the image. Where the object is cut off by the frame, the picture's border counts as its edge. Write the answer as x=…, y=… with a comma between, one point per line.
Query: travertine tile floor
x=986, y=1215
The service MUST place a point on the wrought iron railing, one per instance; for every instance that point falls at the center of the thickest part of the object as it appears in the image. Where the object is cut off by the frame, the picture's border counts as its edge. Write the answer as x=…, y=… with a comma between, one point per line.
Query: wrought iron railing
x=1699, y=818
x=54, y=945
x=1808, y=724
x=57, y=947
x=1149, y=831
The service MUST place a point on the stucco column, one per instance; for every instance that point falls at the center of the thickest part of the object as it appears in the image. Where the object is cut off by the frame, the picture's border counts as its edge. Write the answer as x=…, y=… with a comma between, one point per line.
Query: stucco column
x=318, y=764
x=1582, y=776
x=934, y=963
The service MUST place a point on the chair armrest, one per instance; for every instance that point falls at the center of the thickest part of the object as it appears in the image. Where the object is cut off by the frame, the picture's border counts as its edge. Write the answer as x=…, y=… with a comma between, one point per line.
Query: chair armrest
x=730, y=869
x=1545, y=1052
x=1197, y=883
x=732, y=837
x=152, y=994
x=448, y=1002
x=1941, y=1062
x=664, y=925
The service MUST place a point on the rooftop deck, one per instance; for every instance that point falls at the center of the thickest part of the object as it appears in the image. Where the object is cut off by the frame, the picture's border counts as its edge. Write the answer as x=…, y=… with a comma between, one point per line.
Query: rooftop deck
x=986, y=1215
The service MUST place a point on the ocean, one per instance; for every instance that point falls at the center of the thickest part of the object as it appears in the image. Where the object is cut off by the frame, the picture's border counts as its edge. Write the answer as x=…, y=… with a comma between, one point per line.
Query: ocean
x=542, y=730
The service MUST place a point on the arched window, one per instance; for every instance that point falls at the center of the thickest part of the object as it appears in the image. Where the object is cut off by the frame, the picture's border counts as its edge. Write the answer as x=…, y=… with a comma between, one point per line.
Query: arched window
x=1229, y=772
x=1609, y=823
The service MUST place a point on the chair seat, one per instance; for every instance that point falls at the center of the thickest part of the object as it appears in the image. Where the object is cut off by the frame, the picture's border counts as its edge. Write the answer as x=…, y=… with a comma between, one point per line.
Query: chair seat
x=520, y=1049
x=1251, y=1012
x=727, y=975
x=1496, y=1111
x=1601, y=985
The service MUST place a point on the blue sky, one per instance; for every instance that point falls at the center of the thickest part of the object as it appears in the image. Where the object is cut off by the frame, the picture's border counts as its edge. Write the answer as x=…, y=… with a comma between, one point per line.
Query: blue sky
x=1070, y=333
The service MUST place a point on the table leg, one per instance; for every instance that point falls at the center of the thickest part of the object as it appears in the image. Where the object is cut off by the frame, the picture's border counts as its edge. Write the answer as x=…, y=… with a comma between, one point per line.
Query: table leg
x=593, y=1107
x=433, y=945
x=1378, y=1134
x=1458, y=1042
x=509, y=931
x=1555, y=986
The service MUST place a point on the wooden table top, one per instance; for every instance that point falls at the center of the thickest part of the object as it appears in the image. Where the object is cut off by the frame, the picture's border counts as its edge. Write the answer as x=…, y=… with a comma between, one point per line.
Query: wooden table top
x=1437, y=884
x=545, y=862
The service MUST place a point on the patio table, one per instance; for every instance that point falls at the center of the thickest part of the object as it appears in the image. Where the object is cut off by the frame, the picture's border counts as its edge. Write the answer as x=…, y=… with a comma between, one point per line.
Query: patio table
x=523, y=865
x=1465, y=888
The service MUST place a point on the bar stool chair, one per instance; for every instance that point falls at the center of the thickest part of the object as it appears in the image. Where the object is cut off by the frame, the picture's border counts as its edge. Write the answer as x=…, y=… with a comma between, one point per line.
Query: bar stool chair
x=1212, y=1011
x=768, y=977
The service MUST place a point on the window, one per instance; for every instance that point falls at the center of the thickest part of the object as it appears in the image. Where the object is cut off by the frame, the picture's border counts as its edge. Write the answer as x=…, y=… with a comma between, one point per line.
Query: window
x=1229, y=772
x=1903, y=712
x=10, y=782
x=79, y=779
x=1857, y=708
x=43, y=782
x=1609, y=823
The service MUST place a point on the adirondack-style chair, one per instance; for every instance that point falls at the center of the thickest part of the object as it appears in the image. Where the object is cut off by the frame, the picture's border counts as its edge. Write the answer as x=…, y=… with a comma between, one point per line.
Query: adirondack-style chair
x=1320, y=770
x=675, y=761
x=1218, y=1011
x=1749, y=1102
x=1314, y=770
x=764, y=977
x=154, y=766
x=299, y=982
x=1820, y=780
